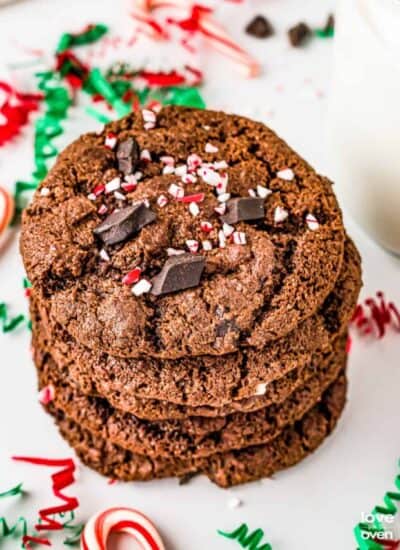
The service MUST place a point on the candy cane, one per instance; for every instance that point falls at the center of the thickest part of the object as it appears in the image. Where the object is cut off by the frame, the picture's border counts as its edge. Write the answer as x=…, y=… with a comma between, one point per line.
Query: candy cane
x=121, y=520
x=6, y=209
x=213, y=32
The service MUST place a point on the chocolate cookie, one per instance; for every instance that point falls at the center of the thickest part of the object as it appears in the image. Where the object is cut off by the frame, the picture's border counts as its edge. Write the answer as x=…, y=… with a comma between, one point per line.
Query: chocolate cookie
x=206, y=381
x=192, y=437
x=98, y=238
x=226, y=469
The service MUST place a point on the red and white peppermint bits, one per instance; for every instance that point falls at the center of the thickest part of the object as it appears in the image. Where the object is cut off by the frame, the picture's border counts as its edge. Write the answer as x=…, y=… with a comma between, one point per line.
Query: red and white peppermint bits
x=47, y=394
x=206, y=226
x=120, y=520
x=280, y=214
x=176, y=191
x=286, y=174
x=111, y=140
x=312, y=222
x=192, y=245
x=6, y=209
x=132, y=277
x=210, y=148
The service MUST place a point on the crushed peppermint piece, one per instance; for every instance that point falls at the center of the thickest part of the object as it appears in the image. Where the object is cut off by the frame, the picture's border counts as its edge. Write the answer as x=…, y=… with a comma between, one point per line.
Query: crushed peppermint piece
x=102, y=210
x=209, y=176
x=194, y=209
x=47, y=394
x=149, y=125
x=239, y=237
x=119, y=196
x=132, y=277
x=113, y=185
x=287, y=174
x=192, y=245
x=99, y=189
x=104, y=255
x=91, y=197
x=222, y=184
x=224, y=197
x=280, y=214
x=138, y=176
x=263, y=192
x=168, y=170
x=197, y=197
x=227, y=229
x=167, y=160
x=145, y=155
x=181, y=170
x=176, y=191
x=220, y=165
x=206, y=127
x=189, y=178
x=45, y=191
x=129, y=184
x=142, y=287
x=162, y=201
x=149, y=116
x=206, y=226
x=207, y=245
x=261, y=389
x=175, y=252
x=210, y=148
x=234, y=502
x=221, y=209
x=111, y=140
x=194, y=162
x=252, y=193
x=221, y=239
x=312, y=222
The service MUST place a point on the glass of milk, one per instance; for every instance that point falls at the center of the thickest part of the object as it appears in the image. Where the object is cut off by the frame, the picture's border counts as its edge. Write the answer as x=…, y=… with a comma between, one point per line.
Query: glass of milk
x=364, y=117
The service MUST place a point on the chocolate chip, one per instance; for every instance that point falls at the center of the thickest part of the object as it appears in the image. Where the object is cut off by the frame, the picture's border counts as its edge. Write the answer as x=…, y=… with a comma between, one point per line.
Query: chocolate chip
x=260, y=27
x=244, y=209
x=121, y=224
x=128, y=156
x=299, y=34
x=178, y=273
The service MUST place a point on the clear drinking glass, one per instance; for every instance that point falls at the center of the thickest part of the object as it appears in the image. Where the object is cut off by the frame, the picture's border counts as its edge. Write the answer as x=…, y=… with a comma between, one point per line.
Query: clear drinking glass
x=364, y=116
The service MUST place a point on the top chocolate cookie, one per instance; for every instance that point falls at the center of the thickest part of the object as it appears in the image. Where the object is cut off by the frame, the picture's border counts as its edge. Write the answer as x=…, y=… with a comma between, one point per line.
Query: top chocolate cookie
x=184, y=232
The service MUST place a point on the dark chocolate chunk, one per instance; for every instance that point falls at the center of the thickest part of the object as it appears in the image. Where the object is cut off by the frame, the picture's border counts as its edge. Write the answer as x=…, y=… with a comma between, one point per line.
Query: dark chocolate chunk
x=299, y=34
x=121, y=224
x=178, y=273
x=244, y=209
x=260, y=27
x=128, y=156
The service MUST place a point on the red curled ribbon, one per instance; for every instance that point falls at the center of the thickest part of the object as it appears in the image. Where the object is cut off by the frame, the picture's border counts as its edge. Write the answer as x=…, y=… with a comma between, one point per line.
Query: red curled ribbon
x=15, y=111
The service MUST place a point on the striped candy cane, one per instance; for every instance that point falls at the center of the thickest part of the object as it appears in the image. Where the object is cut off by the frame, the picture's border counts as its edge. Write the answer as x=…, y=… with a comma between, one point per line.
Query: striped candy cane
x=121, y=520
x=201, y=21
x=6, y=209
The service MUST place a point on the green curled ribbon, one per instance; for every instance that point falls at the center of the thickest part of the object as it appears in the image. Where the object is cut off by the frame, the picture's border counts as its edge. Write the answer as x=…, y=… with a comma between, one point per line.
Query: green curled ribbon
x=246, y=539
x=90, y=34
x=8, y=324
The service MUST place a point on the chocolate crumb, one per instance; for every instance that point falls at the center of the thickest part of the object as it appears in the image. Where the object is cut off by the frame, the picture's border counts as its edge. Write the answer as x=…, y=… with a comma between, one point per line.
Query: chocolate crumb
x=260, y=27
x=299, y=34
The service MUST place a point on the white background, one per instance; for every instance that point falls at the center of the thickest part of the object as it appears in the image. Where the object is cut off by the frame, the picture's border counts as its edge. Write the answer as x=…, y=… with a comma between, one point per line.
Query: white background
x=312, y=506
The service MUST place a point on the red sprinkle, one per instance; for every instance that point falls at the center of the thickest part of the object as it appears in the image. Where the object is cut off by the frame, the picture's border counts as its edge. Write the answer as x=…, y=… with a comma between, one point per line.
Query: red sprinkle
x=132, y=277
x=198, y=197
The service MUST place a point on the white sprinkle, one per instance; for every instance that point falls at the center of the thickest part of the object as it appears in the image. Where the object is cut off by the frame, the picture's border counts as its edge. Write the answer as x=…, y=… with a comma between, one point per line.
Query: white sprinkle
x=206, y=226
x=209, y=176
x=261, y=389
x=286, y=174
x=252, y=193
x=45, y=192
x=174, y=252
x=92, y=197
x=168, y=169
x=142, y=287
x=181, y=170
x=312, y=222
x=189, y=178
x=210, y=148
x=224, y=197
x=119, y=196
x=227, y=229
x=221, y=239
x=176, y=191
x=162, y=201
x=220, y=165
x=234, y=502
x=192, y=245
x=263, y=192
x=104, y=255
x=221, y=209
x=239, y=237
x=194, y=209
x=207, y=245
x=113, y=185
x=280, y=214
x=102, y=210
x=168, y=160
x=145, y=155
x=110, y=142
x=193, y=162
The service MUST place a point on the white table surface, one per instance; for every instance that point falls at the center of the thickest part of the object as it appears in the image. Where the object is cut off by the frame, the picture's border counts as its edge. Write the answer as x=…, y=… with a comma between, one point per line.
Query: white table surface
x=312, y=506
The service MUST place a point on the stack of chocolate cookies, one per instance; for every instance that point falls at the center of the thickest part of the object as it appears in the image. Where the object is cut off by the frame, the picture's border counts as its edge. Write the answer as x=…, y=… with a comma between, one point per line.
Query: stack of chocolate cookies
x=192, y=287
